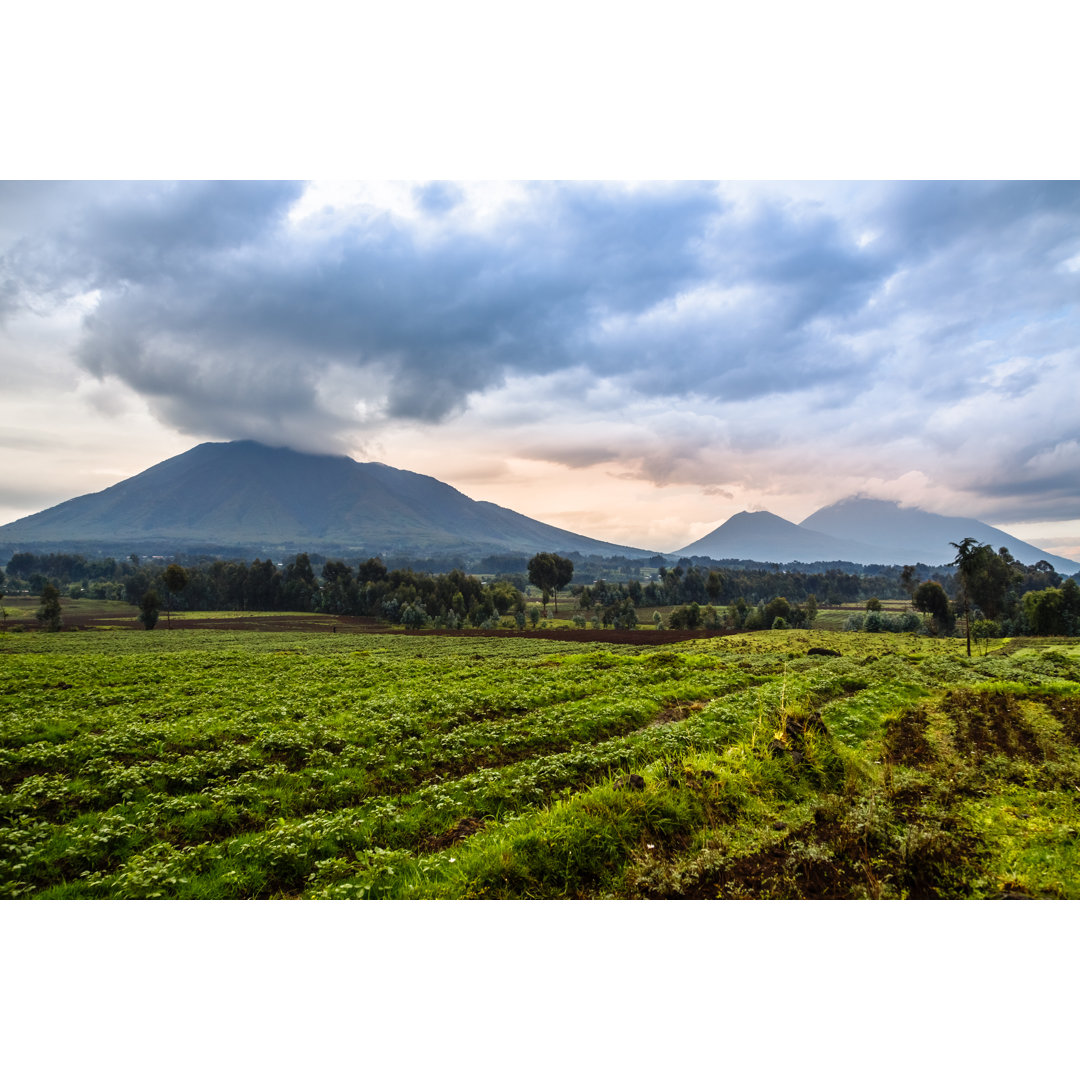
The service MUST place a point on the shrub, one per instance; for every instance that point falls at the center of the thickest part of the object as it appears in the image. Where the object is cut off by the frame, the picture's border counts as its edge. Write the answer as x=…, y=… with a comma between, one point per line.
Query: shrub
x=150, y=609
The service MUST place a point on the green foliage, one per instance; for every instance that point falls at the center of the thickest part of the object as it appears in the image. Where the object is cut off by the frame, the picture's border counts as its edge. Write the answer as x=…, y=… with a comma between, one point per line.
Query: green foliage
x=49, y=614
x=1054, y=611
x=149, y=609
x=930, y=598
x=204, y=764
x=550, y=573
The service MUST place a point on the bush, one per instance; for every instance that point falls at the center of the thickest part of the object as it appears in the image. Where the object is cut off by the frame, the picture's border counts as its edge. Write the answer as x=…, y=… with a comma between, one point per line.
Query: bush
x=150, y=609
x=414, y=616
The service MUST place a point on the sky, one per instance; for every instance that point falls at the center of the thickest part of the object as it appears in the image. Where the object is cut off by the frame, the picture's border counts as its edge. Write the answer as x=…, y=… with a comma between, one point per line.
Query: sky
x=608, y=347
x=633, y=361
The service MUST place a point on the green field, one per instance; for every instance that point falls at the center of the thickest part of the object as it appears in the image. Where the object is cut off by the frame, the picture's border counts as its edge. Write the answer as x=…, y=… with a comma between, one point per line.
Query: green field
x=233, y=764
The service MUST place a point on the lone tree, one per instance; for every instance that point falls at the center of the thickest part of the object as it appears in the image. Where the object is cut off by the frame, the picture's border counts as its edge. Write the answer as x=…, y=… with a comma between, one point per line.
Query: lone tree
x=966, y=562
x=150, y=609
x=49, y=612
x=175, y=578
x=930, y=598
x=549, y=573
x=907, y=580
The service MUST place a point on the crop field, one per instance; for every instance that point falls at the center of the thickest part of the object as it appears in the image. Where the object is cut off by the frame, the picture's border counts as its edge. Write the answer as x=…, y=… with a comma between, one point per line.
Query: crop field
x=223, y=763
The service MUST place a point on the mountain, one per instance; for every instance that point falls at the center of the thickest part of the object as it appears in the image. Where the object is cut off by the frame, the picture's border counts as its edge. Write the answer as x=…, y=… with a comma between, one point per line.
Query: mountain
x=247, y=495
x=912, y=536
x=766, y=537
x=859, y=530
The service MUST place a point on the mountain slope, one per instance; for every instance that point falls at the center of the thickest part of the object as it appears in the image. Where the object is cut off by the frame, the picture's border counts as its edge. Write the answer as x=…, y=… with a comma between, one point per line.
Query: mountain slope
x=248, y=494
x=912, y=536
x=768, y=538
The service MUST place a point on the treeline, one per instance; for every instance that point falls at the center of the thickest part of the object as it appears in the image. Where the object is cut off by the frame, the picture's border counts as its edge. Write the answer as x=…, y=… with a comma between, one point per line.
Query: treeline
x=998, y=596
x=405, y=596
x=689, y=584
x=992, y=588
x=29, y=572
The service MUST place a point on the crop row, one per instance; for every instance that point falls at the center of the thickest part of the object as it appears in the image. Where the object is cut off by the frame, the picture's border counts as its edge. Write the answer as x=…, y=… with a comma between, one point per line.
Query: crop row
x=229, y=768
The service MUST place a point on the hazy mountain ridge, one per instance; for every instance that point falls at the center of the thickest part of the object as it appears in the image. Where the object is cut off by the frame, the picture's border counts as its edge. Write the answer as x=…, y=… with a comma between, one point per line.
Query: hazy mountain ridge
x=765, y=536
x=920, y=535
x=860, y=530
x=244, y=492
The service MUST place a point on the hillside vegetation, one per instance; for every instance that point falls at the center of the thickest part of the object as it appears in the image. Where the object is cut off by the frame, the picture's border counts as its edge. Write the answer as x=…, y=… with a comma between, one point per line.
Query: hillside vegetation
x=782, y=764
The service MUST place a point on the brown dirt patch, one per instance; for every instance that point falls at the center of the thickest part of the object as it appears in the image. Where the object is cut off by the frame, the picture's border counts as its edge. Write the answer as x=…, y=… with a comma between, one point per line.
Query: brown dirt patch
x=358, y=624
x=985, y=724
x=678, y=711
x=458, y=832
x=818, y=862
x=1066, y=710
x=906, y=742
x=831, y=860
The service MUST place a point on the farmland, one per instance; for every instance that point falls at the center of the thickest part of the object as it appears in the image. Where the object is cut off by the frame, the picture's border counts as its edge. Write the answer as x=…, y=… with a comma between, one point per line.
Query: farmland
x=219, y=763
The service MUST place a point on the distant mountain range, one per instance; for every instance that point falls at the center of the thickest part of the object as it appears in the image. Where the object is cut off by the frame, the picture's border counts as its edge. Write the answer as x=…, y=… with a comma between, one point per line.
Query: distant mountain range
x=246, y=496
x=860, y=530
x=243, y=494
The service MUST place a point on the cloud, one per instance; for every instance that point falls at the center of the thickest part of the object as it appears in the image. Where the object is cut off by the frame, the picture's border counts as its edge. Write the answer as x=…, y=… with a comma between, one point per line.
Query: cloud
x=438, y=198
x=724, y=336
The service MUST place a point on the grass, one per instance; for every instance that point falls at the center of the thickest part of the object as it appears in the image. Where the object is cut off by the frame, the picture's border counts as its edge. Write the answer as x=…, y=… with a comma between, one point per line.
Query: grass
x=236, y=764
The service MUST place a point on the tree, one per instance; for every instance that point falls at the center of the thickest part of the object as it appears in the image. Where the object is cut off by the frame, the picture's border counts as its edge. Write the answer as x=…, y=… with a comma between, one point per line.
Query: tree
x=930, y=598
x=340, y=595
x=714, y=586
x=1045, y=612
x=176, y=579
x=372, y=570
x=298, y=583
x=907, y=580
x=966, y=561
x=49, y=612
x=984, y=630
x=686, y=618
x=3, y=610
x=990, y=575
x=150, y=609
x=549, y=573
x=777, y=608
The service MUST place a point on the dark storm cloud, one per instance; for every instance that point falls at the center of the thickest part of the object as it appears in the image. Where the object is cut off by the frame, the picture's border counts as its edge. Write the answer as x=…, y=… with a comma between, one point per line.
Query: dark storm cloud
x=232, y=320
x=435, y=320
x=62, y=237
x=930, y=216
